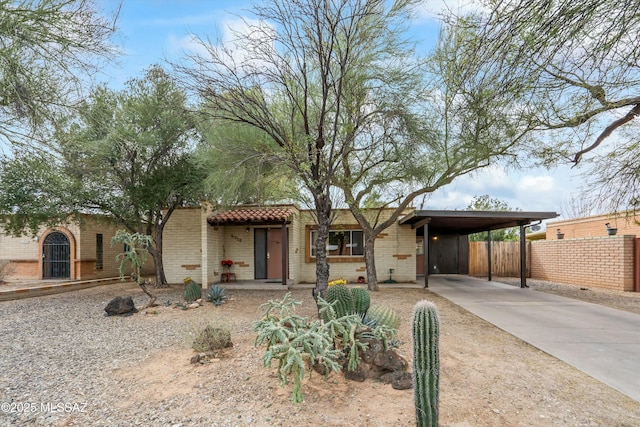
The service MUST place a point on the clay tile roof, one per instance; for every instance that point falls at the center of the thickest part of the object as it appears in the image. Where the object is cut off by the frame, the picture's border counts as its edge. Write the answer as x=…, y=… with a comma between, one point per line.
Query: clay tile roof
x=269, y=215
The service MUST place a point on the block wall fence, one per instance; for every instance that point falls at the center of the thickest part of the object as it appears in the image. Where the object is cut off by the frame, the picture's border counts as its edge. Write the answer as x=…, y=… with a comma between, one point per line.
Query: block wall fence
x=602, y=262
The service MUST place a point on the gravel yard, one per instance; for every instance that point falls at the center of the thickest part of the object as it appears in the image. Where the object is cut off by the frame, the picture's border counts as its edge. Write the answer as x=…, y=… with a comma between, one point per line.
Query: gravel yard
x=64, y=363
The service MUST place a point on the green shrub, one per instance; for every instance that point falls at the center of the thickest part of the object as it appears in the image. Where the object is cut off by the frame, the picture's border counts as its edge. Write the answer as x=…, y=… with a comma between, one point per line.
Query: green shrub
x=212, y=338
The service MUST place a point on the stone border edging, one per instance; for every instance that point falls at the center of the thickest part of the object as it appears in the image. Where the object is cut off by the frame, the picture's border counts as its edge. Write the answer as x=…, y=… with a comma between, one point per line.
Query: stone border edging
x=37, y=291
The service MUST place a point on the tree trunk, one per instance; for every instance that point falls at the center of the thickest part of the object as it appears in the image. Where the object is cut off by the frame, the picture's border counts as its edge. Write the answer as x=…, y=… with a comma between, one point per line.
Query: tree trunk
x=323, y=211
x=152, y=298
x=156, y=253
x=370, y=261
x=143, y=285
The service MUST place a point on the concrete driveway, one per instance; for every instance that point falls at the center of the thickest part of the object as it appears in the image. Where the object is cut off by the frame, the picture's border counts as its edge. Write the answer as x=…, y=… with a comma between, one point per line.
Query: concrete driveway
x=600, y=341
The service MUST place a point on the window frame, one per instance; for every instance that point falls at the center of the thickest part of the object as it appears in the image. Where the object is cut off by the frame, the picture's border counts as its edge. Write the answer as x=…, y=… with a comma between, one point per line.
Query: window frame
x=99, y=251
x=310, y=230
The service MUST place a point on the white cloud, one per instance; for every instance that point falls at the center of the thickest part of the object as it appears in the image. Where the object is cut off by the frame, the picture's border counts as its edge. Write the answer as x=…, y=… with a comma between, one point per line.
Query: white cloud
x=536, y=184
x=436, y=8
x=239, y=40
x=529, y=190
x=188, y=20
x=188, y=43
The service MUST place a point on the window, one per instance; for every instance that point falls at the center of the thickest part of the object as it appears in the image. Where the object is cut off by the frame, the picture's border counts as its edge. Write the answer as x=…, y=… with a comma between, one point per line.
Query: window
x=99, y=252
x=341, y=243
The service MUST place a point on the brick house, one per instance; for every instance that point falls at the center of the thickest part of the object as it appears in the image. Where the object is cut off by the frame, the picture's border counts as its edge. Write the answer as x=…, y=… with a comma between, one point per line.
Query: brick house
x=593, y=226
x=262, y=242
x=78, y=250
x=197, y=240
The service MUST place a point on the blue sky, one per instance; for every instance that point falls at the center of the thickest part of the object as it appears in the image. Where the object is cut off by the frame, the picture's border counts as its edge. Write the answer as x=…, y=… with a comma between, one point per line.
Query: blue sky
x=154, y=30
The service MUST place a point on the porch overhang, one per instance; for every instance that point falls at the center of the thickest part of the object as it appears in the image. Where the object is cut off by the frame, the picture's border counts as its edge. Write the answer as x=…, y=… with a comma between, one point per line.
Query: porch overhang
x=276, y=215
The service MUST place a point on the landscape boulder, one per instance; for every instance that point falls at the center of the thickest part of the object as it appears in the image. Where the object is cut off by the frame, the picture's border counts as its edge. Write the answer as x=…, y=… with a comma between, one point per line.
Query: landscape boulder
x=399, y=380
x=120, y=306
x=375, y=362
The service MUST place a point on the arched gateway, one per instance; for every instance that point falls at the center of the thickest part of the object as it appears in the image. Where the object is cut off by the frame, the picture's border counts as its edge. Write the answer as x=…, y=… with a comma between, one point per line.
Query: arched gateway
x=56, y=256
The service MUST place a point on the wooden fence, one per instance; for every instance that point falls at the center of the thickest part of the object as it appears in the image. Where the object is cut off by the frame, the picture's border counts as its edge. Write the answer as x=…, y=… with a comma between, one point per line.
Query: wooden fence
x=505, y=259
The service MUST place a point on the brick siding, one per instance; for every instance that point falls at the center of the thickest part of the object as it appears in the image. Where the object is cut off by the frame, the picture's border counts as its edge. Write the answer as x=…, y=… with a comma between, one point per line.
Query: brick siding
x=603, y=262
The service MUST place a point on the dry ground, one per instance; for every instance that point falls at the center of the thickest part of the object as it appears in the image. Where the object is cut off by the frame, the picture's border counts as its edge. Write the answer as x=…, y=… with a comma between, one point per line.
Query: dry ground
x=489, y=378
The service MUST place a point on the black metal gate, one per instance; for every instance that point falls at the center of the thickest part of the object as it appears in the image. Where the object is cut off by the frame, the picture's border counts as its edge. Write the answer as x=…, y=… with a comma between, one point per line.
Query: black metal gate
x=56, y=259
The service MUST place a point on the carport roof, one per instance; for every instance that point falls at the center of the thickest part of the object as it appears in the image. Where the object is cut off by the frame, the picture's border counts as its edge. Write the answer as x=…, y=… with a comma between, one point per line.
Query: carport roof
x=468, y=222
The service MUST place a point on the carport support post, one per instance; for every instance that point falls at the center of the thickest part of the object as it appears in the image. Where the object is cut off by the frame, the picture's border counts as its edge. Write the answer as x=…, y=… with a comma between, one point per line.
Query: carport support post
x=523, y=258
x=489, y=255
x=425, y=244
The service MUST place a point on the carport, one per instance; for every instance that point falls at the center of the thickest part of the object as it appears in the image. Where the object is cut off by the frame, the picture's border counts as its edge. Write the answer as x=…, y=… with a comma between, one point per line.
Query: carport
x=446, y=232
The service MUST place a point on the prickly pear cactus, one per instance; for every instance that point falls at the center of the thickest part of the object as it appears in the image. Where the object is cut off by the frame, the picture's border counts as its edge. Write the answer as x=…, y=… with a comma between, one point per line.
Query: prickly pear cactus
x=426, y=363
x=361, y=300
x=384, y=316
x=192, y=291
x=342, y=295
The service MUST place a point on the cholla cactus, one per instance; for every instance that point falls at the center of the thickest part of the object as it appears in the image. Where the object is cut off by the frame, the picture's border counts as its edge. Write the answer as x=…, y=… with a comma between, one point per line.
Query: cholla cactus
x=426, y=363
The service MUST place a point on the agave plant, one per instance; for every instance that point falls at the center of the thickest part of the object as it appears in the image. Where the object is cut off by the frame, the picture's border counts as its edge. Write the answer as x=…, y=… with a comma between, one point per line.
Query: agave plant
x=216, y=295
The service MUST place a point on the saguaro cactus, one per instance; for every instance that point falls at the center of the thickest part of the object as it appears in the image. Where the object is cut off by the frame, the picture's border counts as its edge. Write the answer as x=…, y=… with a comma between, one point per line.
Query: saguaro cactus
x=426, y=363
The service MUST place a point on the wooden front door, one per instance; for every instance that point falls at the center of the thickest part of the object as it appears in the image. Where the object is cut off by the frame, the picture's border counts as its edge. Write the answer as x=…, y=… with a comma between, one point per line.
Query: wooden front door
x=274, y=253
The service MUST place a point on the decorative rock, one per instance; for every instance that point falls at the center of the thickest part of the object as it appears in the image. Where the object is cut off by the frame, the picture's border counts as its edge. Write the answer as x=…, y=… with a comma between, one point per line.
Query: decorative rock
x=193, y=305
x=389, y=360
x=399, y=380
x=359, y=374
x=376, y=362
x=121, y=306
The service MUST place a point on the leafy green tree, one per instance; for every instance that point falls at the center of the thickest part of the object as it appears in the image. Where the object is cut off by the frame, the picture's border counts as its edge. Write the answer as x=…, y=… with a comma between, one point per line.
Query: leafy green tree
x=241, y=166
x=410, y=142
x=33, y=192
x=573, y=69
x=487, y=203
x=290, y=76
x=48, y=48
x=127, y=154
